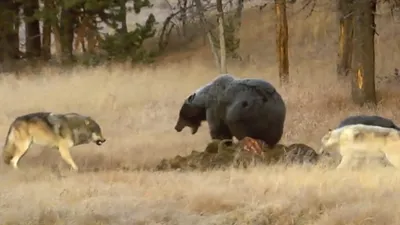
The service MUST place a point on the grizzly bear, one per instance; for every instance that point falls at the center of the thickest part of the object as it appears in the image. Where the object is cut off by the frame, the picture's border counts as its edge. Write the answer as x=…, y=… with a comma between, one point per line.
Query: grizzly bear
x=235, y=107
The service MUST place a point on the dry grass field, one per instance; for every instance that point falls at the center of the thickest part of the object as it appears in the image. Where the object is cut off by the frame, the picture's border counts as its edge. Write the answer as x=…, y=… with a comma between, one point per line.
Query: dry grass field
x=138, y=107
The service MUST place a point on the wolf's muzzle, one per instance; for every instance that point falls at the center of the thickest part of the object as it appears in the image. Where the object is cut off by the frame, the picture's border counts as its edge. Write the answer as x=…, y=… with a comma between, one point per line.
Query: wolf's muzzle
x=100, y=142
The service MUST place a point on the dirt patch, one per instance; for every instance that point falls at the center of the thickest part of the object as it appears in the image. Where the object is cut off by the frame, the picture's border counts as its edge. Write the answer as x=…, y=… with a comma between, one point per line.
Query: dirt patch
x=224, y=154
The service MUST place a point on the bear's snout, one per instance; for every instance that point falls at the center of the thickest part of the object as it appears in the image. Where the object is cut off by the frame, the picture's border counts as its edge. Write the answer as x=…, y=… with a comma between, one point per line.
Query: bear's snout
x=178, y=127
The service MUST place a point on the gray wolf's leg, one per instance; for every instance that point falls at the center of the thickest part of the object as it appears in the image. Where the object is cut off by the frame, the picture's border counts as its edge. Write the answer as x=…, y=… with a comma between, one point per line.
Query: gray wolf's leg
x=21, y=149
x=66, y=155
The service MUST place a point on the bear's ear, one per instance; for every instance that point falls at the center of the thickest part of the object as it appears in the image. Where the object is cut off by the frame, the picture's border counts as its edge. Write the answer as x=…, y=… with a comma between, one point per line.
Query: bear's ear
x=245, y=104
x=191, y=97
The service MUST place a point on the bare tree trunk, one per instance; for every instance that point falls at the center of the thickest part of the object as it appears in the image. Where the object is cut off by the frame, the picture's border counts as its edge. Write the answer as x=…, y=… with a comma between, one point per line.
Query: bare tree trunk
x=55, y=29
x=32, y=29
x=222, y=47
x=91, y=34
x=238, y=14
x=207, y=29
x=282, y=40
x=57, y=40
x=222, y=50
x=67, y=23
x=46, y=41
x=122, y=17
x=183, y=15
x=345, y=36
x=9, y=37
x=46, y=34
x=14, y=36
x=363, y=61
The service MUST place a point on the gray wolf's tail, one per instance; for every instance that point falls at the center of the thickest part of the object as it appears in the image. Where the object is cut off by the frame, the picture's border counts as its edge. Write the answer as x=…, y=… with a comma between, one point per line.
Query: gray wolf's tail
x=9, y=147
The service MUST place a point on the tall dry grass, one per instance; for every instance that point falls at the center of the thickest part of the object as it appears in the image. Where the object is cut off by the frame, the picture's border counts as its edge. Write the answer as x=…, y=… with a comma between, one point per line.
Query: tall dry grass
x=138, y=107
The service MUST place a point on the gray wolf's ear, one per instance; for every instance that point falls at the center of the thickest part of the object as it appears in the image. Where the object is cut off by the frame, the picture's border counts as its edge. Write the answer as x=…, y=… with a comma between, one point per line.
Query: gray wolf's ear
x=191, y=97
x=87, y=122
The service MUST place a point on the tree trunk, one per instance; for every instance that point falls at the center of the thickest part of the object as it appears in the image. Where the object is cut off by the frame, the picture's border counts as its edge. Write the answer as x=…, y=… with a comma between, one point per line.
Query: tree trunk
x=238, y=15
x=222, y=47
x=14, y=36
x=32, y=29
x=9, y=37
x=67, y=23
x=345, y=37
x=57, y=40
x=80, y=32
x=122, y=17
x=183, y=15
x=207, y=29
x=222, y=50
x=46, y=40
x=282, y=40
x=363, y=60
x=46, y=34
x=91, y=34
x=55, y=28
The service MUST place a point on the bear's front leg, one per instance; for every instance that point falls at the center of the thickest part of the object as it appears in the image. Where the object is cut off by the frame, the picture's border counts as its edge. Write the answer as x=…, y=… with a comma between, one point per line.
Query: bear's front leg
x=218, y=129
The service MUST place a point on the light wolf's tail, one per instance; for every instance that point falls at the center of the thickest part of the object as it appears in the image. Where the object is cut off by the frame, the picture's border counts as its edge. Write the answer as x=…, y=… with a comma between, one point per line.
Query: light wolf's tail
x=9, y=147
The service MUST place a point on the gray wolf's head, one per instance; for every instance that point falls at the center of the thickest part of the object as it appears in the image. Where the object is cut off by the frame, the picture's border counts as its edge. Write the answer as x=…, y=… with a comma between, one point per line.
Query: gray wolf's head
x=190, y=116
x=94, y=128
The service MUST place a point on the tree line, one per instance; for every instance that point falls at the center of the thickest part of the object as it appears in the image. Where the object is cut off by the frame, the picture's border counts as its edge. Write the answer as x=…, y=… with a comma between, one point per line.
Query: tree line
x=356, y=48
x=77, y=24
x=73, y=24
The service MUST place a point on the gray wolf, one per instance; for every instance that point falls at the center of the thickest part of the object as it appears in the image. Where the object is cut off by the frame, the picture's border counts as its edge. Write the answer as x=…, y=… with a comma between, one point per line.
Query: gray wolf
x=52, y=130
x=235, y=107
x=369, y=120
x=359, y=140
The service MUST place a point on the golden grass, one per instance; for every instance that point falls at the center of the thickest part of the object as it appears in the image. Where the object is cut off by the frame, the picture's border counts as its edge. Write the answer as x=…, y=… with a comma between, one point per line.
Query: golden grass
x=137, y=109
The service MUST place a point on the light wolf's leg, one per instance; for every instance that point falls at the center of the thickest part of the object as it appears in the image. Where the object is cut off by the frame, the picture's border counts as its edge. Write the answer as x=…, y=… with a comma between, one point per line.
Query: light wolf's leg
x=394, y=159
x=66, y=155
x=345, y=162
x=20, y=149
x=358, y=160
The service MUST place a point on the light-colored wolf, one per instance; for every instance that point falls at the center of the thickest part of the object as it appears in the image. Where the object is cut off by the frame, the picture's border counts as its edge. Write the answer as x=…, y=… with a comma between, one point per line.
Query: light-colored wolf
x=355, y=141
x=52, y=130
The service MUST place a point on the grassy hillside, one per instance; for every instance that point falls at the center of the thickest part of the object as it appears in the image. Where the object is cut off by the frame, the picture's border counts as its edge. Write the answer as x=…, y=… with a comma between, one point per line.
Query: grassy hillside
x=138, y=107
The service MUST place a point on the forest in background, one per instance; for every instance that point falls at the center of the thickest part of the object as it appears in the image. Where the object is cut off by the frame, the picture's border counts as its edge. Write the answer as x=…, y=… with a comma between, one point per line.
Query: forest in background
x=99, y=31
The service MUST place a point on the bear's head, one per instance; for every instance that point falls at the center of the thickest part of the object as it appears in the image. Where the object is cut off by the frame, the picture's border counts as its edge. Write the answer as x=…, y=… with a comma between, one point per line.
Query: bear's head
x=190, y=116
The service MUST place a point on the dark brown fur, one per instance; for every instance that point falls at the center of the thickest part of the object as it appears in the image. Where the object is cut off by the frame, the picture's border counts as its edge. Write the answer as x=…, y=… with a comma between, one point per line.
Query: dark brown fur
x=190, y=116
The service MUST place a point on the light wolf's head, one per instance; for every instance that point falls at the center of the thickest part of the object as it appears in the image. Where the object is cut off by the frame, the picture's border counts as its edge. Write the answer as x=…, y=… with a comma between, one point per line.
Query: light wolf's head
x=94, y=129
x=326, y=142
